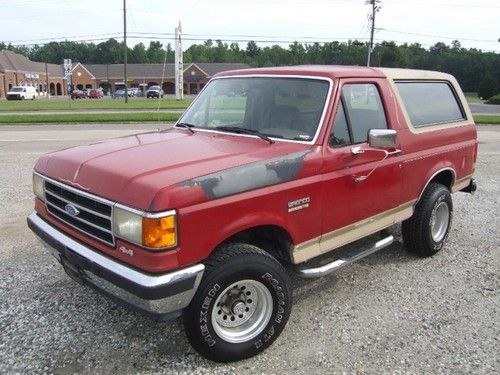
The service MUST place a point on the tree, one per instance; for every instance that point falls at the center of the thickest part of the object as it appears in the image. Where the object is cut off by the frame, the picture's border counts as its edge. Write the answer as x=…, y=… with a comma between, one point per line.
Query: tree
x=298, y=53
x=487, y=87
x=138, y=54
x=109, y=52
x=155, y=53
x=472, y=67
x=390, y=55
x=252, y=50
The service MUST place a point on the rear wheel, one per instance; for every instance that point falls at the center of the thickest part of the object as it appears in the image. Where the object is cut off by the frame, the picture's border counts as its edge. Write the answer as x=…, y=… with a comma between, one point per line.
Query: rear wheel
x=241, y=306
x=427, y=230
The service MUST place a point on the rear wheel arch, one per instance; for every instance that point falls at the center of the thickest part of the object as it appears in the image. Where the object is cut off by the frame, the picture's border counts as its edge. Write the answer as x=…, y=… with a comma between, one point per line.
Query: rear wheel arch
x=444, y=176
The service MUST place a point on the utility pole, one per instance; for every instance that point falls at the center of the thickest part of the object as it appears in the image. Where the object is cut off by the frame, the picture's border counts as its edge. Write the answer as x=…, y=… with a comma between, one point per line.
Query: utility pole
x=47, y=95
x=179, y=65
x=125, y=78
x=375, y=9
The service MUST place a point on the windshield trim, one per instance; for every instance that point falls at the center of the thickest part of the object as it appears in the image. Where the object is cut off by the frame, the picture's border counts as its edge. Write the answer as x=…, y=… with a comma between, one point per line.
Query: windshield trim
x=315, y=78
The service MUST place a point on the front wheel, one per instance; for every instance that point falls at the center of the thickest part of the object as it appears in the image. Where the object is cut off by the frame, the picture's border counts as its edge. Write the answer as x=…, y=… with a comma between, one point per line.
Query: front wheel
x=426, y=231
x=241, y=306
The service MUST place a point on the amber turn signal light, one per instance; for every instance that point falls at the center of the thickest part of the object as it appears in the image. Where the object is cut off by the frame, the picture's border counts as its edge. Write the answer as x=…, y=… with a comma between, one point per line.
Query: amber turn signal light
x=158, y=233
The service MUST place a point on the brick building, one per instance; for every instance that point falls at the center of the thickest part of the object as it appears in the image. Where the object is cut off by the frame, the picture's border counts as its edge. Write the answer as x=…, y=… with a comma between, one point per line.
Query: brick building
x=110, y=76
x=18, y=70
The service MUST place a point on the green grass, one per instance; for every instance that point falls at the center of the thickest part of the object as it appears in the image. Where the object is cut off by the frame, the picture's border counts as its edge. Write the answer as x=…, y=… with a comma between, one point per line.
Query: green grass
x=487, y=119
x=139, y=117
x=472, y=97
x=88, y=117
x=82, y=104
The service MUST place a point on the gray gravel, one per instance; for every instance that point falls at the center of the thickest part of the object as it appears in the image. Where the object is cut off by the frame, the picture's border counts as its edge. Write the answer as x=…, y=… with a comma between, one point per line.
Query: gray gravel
x=389, y=313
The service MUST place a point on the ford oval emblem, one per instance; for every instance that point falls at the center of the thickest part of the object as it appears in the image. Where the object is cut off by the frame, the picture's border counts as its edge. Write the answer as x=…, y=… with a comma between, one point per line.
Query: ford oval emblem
x=71, y=210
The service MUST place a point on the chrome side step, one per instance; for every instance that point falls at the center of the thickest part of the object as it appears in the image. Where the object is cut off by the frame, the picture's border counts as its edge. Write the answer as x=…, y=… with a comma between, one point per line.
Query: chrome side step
x=310, y=273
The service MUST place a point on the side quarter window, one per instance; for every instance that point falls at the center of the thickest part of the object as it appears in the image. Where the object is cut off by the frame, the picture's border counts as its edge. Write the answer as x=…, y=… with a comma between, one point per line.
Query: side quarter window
x=364, y=109
x=340, y=133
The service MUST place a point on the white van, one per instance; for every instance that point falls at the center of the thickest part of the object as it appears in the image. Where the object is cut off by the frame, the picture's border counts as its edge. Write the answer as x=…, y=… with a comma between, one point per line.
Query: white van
x=21, y=93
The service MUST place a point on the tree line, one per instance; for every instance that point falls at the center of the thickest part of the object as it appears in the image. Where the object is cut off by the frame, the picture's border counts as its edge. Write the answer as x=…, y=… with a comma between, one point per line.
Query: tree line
x=475, y=70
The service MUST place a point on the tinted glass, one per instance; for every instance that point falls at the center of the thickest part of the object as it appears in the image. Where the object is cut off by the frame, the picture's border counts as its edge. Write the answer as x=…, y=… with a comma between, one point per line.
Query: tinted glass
x=364, y=109
x=429, y=103
x=288, y=108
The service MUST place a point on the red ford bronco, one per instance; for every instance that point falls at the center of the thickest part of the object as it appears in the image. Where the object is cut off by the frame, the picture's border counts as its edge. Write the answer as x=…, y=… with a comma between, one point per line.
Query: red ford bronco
x=267, y=167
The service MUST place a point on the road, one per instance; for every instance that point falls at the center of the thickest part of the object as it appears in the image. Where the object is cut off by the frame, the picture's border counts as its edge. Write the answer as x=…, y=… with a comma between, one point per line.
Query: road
x=389, y=313
x=485, y=109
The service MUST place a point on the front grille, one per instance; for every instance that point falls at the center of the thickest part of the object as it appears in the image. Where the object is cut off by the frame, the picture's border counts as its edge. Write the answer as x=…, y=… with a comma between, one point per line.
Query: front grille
x=95, y=214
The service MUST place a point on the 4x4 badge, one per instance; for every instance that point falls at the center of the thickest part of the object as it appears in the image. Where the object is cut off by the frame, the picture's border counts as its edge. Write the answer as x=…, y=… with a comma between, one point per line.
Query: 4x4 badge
x=71, y=210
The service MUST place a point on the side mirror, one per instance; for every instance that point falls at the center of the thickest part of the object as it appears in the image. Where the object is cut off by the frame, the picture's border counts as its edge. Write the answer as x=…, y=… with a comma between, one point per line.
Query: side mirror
x=382, y=138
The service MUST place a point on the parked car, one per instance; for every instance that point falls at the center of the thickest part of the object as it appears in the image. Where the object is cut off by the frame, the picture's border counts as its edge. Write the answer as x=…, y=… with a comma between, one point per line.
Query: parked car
x=21, y=93
x=307, y=160
x=154, y=92
x=95, y=94
x=134, y=91
x=120, y=93
x=78, y=94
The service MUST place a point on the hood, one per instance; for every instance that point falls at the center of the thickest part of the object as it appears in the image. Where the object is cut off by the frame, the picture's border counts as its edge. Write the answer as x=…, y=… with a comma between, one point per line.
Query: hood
x=136, y=169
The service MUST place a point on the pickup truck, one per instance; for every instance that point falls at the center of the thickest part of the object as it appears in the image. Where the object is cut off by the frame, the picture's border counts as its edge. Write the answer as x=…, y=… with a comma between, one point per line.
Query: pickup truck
x=266, y=171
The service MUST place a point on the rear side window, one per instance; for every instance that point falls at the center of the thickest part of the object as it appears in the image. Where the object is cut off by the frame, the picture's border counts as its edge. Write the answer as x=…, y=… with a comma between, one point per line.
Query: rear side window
x=430, y=103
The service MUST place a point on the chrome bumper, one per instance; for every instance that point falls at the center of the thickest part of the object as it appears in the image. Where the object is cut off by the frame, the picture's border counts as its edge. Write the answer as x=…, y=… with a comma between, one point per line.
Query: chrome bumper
x=162, y=296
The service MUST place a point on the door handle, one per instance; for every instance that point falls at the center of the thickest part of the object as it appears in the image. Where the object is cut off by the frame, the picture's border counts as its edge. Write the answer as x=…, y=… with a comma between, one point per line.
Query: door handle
x=357, y=150
x=358, y=179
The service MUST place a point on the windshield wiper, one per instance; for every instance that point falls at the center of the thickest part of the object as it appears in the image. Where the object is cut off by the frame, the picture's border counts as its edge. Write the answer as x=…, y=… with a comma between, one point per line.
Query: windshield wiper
x=236, y=129
x=186, y=125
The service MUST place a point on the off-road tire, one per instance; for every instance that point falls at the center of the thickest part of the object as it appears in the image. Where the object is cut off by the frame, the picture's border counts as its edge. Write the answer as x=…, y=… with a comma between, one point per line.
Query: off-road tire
x=417, y=230
x=229, y=266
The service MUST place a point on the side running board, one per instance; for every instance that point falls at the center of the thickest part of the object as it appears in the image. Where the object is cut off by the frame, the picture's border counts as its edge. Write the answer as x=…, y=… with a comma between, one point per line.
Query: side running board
x=310, y=273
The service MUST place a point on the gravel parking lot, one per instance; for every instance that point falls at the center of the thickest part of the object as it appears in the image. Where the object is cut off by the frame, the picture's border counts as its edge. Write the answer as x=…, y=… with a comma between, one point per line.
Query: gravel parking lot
x=389, y=313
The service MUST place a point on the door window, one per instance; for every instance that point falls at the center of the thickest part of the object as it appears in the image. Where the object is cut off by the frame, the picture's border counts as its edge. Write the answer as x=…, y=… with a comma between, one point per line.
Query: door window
x=359, y=110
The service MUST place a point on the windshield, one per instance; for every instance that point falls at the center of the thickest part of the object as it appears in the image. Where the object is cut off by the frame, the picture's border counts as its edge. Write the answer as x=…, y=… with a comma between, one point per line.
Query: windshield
x=17, y=89
x=286, y=108
x=154, y=88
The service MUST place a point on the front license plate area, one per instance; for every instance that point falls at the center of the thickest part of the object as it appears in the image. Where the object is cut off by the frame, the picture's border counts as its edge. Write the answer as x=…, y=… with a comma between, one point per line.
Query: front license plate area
x=72, y=270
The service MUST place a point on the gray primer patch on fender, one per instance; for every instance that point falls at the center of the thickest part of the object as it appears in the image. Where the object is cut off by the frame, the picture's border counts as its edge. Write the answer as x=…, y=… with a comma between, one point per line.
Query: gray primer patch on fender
x=250, y=176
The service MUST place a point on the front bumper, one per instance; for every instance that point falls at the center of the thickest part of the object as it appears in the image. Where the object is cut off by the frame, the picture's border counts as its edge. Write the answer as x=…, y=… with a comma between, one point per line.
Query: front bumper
x=162, y=296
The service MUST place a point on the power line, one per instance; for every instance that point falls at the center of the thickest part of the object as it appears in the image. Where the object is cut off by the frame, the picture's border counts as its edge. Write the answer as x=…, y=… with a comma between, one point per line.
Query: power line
x=170, y=37
x=436, y=36
x=65, y=38
x=446, y=5
x=63, y=14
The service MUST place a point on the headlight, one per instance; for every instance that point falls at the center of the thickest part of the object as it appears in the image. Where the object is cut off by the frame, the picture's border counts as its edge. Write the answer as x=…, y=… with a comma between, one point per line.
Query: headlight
x=153, y=231
x=38, y=186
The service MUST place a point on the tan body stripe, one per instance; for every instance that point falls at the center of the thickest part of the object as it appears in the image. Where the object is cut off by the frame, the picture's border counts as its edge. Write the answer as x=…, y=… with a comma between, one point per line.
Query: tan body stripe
x=337, y=238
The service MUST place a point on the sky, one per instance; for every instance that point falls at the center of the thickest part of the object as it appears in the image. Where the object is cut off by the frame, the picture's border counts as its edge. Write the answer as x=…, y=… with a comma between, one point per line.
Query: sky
x=475, y=23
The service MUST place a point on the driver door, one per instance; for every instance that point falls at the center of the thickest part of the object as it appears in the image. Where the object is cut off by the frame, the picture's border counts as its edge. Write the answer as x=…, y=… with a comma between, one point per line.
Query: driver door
x=351, y=208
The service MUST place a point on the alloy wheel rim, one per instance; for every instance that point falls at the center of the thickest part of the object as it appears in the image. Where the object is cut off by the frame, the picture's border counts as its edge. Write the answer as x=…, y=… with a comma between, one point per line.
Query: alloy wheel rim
x=440, y=219
x=242, y=311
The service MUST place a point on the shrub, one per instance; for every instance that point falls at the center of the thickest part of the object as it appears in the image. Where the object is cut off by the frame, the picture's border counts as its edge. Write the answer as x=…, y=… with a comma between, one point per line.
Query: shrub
x=494, y=99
